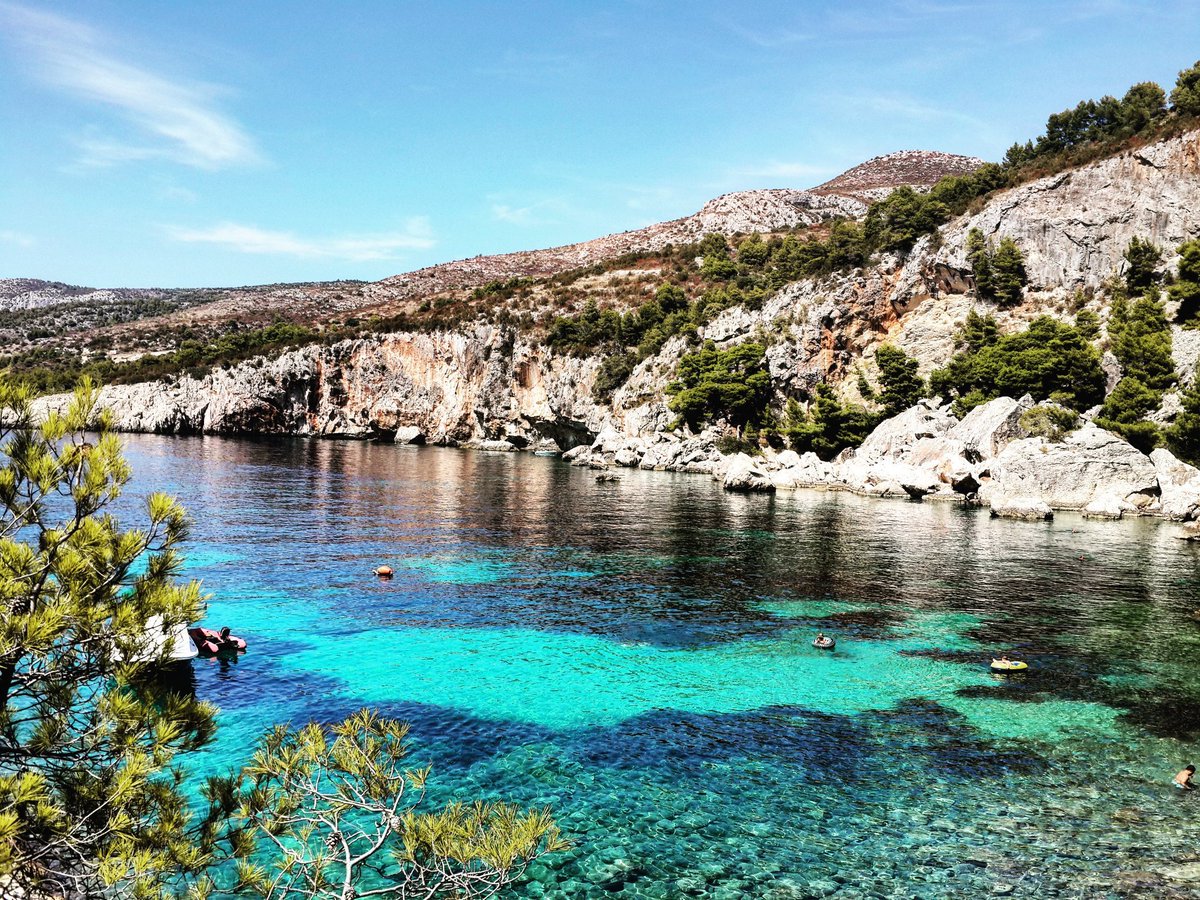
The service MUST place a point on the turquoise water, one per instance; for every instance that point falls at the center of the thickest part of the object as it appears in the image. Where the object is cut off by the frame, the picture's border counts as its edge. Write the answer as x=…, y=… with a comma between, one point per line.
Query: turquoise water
x=638, y=655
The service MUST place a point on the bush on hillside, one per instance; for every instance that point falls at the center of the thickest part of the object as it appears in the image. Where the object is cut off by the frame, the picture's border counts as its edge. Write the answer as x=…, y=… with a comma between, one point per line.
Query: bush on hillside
x=1186, y=289
x=714, y=384
x=1049, y=421
x=1183, y=437
x=899, y=384
x=829, y=425
x=1048, y=360
x=1142, y=259
x=999, y=274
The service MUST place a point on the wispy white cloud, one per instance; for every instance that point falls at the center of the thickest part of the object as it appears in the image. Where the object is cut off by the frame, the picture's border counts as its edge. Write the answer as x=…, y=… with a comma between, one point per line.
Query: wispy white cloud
x=770, y=38
x=525, y=212
x=15, y=238
x=417, y=235
x=170, y=119
x=903, y=106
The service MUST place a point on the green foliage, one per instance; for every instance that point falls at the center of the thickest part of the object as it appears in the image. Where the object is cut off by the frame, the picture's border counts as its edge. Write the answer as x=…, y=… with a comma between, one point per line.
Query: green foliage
x=753, y=251
x=1050, y=421
x=320, y=810
x=897, y=223
x=1048, y=358
x=829, y=426
x=88, y=793
x=717, y=384
x=1007, y=272
x=1183, y=437
x=980, y=260
x=1186, y=289
x=1141, y=342
x=1141, y=258
x=502, y=289
x=54, y=372
x=977, y=332
x=1087, y=323
x=999, y=274
x=1185, y=96
x=614, y=372
x=900, y=385
x=1142, y=105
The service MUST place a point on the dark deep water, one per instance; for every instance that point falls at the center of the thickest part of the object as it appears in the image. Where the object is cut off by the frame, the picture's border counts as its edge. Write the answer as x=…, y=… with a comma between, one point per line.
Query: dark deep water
x=637, y=655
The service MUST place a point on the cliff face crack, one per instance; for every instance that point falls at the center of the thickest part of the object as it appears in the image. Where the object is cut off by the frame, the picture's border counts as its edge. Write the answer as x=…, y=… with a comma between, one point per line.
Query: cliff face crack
x=1146, y=161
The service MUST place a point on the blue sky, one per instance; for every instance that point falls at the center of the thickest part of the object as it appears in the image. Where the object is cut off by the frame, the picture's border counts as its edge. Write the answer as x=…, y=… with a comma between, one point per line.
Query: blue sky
x=226, y=143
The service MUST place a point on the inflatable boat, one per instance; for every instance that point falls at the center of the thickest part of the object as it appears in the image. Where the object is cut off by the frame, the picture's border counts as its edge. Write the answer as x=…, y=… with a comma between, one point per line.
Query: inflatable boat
x=825, y=643
x=1008, y=665
x=210, y=642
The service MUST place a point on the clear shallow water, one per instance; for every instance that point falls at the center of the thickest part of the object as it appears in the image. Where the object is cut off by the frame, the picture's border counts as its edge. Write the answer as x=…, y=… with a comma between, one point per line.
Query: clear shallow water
x=637, y=655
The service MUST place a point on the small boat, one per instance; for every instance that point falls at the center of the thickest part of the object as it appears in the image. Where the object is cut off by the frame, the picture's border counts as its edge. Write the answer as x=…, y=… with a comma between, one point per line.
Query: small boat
x=210, y=643
x=547, y=453
x=162, y=644
x=1008, y=665
x=825, y=643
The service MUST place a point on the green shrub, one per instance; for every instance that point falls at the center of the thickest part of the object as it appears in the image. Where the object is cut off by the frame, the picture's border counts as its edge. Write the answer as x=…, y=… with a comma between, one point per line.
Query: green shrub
x=1007, y=272
x=1185, y=96
x=1141, y=259
x=829, y=426
x=900, y=385
x=717, y=384
x=1049, y=357
x=614, y=372
x=1000, y=274
x=1186, y=288
x=1050, y=422
x=1183, y=437
x=1141, y=341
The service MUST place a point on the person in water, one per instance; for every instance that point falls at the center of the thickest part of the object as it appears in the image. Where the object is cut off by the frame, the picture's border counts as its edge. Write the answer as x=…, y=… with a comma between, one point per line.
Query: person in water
x=1183, y=780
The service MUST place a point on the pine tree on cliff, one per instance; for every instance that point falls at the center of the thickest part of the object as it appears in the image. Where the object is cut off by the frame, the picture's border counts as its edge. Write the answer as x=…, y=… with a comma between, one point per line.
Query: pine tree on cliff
x=900, y=385
x=1142, y=259
x=981, y=263
x=1186, y=289
x=1008, y=272
x=1185, y=97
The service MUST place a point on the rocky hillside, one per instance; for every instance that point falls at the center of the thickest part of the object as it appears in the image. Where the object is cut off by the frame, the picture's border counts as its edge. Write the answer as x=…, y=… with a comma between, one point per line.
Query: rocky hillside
x=877, y=177
x=124, y=319
x=497, y=386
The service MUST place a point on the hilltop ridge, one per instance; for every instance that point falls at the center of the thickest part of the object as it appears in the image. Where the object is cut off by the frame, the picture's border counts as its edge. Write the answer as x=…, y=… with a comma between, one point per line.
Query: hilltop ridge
x=48, y=310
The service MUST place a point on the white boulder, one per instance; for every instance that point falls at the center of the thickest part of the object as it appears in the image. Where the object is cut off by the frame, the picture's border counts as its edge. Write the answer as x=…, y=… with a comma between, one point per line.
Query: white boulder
x=990, y=427
x=746, y=475
x=1179, y=484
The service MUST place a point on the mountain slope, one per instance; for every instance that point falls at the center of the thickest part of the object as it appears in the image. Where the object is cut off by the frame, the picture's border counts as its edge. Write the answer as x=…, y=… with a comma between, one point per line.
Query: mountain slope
x=490, y=381
x=50, y=310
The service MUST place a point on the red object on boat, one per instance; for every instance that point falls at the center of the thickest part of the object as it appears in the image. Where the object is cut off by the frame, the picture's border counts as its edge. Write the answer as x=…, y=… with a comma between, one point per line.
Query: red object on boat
x=210, y=642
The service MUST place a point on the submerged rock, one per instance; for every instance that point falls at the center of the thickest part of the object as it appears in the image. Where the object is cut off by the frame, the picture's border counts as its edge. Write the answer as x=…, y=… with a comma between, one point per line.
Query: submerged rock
x=1032, y=509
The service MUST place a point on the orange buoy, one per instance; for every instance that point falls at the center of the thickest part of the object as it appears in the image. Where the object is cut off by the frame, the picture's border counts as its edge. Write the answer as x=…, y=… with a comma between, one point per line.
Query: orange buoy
x=384, y=572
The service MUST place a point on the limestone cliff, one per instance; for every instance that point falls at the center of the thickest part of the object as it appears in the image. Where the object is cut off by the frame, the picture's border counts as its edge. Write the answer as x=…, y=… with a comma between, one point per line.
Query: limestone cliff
x=493, y=383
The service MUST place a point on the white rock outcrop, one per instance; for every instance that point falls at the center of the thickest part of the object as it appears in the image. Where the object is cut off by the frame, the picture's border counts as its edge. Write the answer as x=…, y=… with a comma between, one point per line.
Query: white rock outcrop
x=1179, y=486
x=1088, y=465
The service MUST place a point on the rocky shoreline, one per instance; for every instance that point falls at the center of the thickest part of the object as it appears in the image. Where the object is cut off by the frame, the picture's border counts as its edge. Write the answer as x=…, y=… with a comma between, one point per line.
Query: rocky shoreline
x=926, y=453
